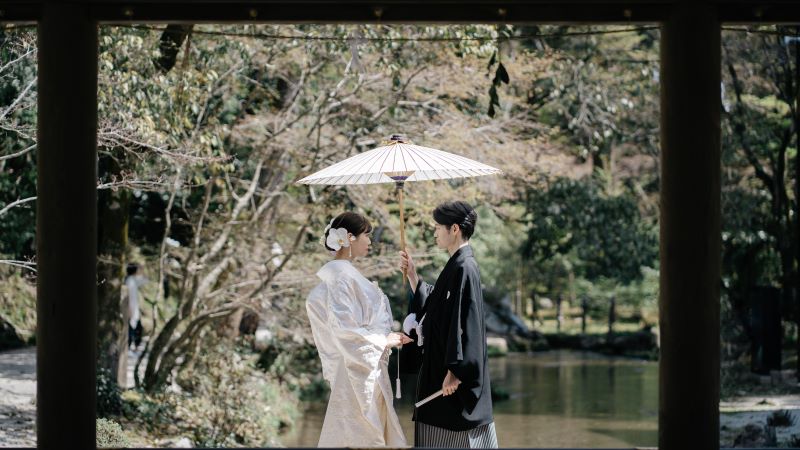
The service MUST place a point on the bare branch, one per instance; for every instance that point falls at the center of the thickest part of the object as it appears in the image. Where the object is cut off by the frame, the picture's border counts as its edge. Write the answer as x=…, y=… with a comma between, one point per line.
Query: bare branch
x=739, y=128
x=21, y=264
x=19, y=98
x=19, y=153
x=14, y=61
x=112, y=138
x=240, y=205
x=16, y=203
x=162, y=255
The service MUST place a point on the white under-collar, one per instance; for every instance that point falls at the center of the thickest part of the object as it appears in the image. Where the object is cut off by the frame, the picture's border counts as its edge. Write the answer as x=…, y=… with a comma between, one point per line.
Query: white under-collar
x=334, y=267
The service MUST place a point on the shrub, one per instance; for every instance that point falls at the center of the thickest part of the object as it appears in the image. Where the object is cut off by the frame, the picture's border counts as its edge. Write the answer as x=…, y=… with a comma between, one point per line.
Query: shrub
x=109, y=402
x=110, y=435
x=782, y=418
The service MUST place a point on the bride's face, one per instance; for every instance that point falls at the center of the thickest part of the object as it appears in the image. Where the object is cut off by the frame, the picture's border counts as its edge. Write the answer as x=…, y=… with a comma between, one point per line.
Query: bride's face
x=361, y=245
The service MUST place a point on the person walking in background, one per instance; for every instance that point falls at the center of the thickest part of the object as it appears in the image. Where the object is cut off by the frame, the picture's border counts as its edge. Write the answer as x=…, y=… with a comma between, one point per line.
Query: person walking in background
x=133, y=281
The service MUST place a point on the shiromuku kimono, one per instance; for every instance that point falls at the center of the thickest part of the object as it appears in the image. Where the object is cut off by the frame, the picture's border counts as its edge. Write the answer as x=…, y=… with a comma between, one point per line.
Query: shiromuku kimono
x=350, y=319
x=450, y=317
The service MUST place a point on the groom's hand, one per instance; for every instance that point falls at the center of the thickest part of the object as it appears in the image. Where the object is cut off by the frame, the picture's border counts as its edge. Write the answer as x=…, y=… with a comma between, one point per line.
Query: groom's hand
x=450, y=384
x=407, y=264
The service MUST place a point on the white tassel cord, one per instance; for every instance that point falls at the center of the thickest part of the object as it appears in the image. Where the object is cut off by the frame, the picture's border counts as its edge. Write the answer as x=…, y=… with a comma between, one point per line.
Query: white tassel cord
x=397, y=380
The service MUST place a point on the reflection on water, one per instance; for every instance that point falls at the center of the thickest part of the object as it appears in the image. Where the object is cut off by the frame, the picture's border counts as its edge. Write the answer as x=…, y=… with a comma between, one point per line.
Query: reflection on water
x=558, y=399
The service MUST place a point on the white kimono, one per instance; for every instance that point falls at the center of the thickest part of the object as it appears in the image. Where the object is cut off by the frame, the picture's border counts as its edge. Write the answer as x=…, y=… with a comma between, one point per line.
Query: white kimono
x=350, y=319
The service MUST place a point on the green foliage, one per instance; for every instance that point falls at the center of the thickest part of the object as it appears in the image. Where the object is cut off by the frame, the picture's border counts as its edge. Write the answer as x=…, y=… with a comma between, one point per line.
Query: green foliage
x=223, y=401
x=500, y=76
x=604, y=236
x=18, y=301
x=221, y=411
x=759, y=153
x=109, y=434
x=296, y=365
x=109, y=400
x=17, y=179
x=641, y=295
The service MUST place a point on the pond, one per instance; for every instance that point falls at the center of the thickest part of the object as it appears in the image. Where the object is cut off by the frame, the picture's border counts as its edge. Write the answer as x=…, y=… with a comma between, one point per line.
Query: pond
x=556, y=399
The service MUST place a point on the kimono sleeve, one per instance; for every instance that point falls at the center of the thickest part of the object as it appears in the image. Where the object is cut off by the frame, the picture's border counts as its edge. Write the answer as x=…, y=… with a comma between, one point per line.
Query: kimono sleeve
x=464, y=352
x=411, y=353
x=420, y=298
x=349, y=326
x=361, y=348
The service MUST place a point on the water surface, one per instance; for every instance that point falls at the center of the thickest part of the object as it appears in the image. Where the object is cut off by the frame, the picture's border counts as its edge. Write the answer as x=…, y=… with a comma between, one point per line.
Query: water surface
x=557, y=399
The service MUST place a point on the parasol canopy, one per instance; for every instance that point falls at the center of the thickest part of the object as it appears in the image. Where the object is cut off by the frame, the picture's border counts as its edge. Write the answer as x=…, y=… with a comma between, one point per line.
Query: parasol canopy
x=399, y=160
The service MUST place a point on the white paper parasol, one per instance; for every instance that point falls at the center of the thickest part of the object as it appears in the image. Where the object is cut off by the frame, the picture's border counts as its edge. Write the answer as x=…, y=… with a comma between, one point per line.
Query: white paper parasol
x=398, y=161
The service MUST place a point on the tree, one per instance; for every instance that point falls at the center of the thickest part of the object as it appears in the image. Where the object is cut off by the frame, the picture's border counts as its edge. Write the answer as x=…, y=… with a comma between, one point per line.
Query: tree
x=760, y=129
x=603, y=240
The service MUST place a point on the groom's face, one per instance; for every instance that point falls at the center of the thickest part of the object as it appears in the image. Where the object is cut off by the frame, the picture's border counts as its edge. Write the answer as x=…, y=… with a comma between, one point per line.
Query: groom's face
x=444, y=235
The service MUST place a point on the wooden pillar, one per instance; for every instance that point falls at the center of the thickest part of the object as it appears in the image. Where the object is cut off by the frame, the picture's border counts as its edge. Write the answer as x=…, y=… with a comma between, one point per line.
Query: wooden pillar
x=66, y=227
x=690, y=229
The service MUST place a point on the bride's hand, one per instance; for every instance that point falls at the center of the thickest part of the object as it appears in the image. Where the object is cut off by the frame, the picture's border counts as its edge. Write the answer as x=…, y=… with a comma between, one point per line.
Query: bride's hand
x=397, y=339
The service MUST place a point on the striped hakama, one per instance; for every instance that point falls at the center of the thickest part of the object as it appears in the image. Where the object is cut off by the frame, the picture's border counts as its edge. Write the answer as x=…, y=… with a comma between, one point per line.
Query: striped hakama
x=429, y=436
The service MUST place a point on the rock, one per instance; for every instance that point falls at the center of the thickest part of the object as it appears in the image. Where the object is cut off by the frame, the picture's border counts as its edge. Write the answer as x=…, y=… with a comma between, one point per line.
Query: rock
x=788, y=375
x=639, y=344
x=249, y=323
x=175, y=442
x=9, y=338
x=497, y=346
x=262, y=340
x=183, y=442
x=501, y=321
x=755, y=436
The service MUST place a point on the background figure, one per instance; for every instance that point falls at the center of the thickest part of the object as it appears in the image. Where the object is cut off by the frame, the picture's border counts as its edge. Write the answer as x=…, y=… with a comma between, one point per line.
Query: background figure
x=133, y=281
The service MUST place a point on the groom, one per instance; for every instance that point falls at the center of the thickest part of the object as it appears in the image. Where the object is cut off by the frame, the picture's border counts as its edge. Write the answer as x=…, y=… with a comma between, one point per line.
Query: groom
x=448, y=318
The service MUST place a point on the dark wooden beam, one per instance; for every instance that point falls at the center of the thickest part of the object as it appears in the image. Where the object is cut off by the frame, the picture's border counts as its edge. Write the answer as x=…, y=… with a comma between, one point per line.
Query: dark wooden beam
x=690, y=239
x=386, y=12
x=66, y=228
x=398, y=11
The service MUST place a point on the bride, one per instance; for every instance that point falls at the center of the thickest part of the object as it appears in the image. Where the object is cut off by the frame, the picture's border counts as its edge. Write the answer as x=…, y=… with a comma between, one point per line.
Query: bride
x=351, y=322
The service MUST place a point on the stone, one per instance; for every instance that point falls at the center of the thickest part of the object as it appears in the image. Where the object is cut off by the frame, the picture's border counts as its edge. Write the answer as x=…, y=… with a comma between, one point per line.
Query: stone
x=755, y=436
x=9, y=338
x=262, y=339
x=497, y=346
x=183, y=442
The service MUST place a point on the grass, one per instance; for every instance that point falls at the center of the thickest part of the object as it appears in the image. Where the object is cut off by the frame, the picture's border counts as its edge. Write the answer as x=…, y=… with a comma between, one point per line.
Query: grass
x=573, y=326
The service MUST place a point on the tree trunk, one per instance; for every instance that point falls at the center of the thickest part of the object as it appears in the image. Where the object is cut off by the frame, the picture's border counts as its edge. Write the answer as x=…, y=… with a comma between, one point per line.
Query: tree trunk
x=233, y=323
x=797, y=195
x=112, y=240
x=558, y=313
x=612, y=317
x=584, y=307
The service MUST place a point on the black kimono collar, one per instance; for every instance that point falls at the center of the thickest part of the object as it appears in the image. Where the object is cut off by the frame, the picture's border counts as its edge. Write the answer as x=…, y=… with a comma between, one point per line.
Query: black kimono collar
x=460, y=254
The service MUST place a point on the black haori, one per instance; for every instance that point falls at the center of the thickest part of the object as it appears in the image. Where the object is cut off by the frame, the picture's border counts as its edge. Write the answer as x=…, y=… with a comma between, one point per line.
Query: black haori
x=454, y=339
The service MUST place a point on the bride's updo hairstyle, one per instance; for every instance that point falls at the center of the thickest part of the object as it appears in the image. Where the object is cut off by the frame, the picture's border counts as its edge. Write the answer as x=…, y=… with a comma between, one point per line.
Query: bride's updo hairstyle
x=354, y=223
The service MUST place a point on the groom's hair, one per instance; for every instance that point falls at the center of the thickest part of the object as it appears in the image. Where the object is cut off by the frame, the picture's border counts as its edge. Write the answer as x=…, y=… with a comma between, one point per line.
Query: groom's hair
x=353, y=222
x=457, y=213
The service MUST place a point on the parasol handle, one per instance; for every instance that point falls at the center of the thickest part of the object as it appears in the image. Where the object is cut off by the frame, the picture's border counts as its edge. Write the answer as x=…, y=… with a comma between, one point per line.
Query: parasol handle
x=400, y=185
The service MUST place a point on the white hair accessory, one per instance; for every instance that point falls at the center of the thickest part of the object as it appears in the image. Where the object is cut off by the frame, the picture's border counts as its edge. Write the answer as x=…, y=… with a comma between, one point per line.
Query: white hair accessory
x=337, y=238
